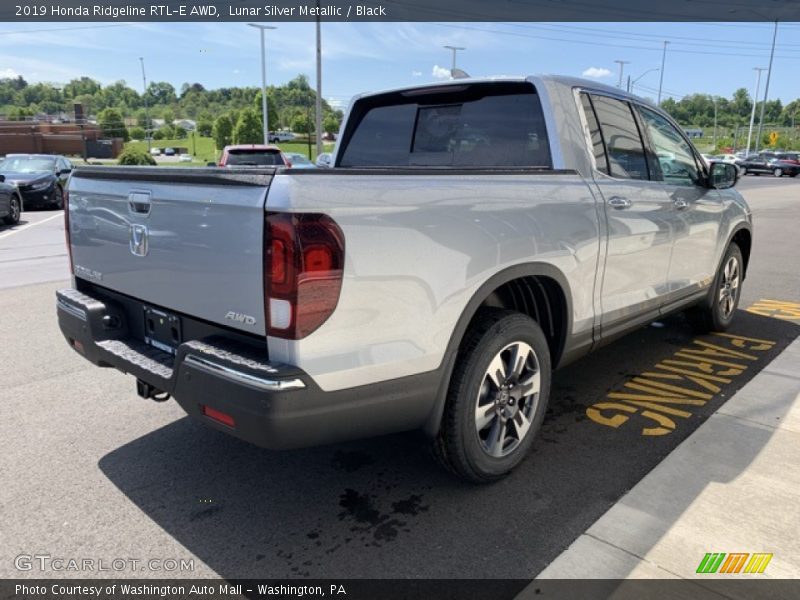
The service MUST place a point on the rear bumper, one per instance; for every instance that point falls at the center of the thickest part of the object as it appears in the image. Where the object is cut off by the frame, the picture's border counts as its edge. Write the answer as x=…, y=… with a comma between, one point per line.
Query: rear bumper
x=272, y=405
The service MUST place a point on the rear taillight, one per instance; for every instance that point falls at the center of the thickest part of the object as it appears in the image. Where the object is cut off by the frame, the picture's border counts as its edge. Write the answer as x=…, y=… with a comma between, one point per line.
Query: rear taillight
x=303, y=268
x=66, y=227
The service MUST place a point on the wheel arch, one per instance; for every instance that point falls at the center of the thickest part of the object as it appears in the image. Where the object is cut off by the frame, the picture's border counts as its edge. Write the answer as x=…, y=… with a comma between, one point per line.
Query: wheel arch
x=551, y=286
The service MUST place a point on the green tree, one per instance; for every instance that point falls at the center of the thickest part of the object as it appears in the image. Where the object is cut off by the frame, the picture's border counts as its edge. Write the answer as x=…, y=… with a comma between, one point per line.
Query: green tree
x=331, y=123
x=205, y=124
x=133, y=156
x=111, y=124
x=272, y=108
x=301, y=123
x=248, y=128
x=137, y=133
x=222, y=132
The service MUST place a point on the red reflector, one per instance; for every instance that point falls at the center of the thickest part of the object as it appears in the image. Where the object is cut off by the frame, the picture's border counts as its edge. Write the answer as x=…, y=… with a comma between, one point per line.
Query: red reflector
x=218, y=416
x=78, y=346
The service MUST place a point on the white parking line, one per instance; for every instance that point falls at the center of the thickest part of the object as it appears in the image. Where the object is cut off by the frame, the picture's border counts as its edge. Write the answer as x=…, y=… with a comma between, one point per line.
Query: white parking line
x=24, y=227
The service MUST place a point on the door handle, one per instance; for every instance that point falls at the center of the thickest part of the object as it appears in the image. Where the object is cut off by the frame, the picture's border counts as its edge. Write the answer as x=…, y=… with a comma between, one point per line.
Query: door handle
x=681, y=204
x=619, y=202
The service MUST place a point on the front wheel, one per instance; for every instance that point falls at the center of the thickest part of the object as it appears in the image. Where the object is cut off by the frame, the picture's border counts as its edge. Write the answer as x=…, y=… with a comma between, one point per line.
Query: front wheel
x=14, y=210
x=497, y=397
x=778, y=172
x=716, y=314
x=58, y=199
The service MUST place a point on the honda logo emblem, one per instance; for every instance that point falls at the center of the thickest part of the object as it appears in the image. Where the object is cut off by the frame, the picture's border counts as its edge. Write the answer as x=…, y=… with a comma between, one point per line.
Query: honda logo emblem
x=139, y=240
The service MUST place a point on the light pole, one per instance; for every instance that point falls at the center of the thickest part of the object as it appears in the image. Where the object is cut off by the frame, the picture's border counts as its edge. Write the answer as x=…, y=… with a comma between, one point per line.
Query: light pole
x=621, y=64
x=633, y=83
x=265, y=117
x=147, y=125
x=753, y=111
x=661, y=79
x=714, y=98
x=318, y=124
x=454, y=49
x=766, y=87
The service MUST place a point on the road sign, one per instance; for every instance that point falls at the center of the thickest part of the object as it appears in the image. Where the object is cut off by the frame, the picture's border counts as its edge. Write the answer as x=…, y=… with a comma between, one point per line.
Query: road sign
x=773, y=137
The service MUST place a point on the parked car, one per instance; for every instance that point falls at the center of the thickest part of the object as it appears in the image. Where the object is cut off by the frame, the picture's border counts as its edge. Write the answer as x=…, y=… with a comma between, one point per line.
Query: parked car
x=40, y=178
x=731, y=159
x=421, y=284
x=790, y=157
x=185, y=158
x=155, y=151
x=10, y=202
x=252, y=155
x=299, y=161
x=169, y=152
x=759, y=164
x=280, y=136
x=324, y=160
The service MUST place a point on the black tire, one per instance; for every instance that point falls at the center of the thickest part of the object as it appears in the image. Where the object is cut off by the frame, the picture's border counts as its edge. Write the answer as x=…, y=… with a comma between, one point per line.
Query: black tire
x=58, y=199
x=714, y=314
x=778, y=172
x=462, y=445
x=16, y=210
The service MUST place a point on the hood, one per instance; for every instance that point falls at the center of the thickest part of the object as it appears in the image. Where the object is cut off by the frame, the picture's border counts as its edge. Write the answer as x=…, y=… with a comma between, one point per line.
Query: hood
x=27, y=178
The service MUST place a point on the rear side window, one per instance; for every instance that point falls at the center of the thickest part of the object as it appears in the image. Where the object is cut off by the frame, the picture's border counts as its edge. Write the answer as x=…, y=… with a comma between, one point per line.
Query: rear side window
x=485, y=125
x=623, y=141
x=254, y=158
x=598, y=148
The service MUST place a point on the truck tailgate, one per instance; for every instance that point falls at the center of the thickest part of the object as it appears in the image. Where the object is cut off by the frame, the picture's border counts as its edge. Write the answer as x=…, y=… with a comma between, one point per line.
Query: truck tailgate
x=188, y=240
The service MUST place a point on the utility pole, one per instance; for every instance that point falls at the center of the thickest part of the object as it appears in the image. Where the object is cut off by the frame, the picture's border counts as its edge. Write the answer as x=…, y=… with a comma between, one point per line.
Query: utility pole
x=661, y=79
x=454, y=49
x=753, y=111
x=265, y=114
x=631, y=84
x=148, y=128
x=318, y=125
x=766, y=87
x=621, y=64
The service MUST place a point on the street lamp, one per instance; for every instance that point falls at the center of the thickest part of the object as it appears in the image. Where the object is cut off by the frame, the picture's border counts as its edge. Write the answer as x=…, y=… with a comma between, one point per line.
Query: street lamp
x=147, y=125
x=661, y=79
x=265, y=118
x=454, y=49
x=753, y=111
x=621, y=64
x=632, y=83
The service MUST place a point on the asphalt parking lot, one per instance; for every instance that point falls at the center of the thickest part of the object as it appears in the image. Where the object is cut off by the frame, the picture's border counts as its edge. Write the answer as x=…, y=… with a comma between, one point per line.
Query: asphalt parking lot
x=92, y=471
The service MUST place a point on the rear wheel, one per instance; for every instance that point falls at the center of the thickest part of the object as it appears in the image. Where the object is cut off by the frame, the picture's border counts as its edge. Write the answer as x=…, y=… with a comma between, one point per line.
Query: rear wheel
x=497, y=397
x=14, y=210
x=778, y=172
x=716, y=314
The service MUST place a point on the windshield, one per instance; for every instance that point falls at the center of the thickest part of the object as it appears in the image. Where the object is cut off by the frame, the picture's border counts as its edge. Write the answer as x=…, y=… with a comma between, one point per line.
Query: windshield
x=254, y=158
x=24, y=164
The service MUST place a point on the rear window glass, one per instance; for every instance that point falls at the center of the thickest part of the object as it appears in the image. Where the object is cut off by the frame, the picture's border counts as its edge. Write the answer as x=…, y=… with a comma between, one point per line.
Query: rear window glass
x=254, y=158
x=492, y=125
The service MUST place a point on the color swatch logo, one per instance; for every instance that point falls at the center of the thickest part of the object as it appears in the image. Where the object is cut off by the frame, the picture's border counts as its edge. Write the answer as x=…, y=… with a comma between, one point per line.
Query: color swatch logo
x=733, y=563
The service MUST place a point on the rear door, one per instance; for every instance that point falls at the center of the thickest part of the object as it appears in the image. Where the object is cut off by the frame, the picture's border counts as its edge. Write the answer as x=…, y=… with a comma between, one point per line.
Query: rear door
x=639, y=215
x=698, y=210
x=186, y=240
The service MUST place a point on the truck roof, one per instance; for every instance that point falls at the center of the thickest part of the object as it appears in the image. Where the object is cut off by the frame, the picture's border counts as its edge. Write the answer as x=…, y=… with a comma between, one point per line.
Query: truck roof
x=547, y=79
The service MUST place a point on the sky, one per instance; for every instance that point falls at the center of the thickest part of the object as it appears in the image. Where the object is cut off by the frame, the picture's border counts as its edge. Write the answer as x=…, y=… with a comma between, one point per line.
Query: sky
x=712, y=58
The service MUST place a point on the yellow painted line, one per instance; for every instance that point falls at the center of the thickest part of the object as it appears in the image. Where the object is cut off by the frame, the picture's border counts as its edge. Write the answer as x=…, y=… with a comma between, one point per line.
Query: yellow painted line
x=719, y=350
x=747, y=339
x=641, y=398
x=777, y=309
x=687, y=372
x=8, y=234
x=713, y=361
x=674, y=388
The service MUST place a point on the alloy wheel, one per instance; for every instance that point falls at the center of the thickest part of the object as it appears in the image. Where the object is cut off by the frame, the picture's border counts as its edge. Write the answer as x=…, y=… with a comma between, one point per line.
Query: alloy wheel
x=729, y=287
x=507, y=399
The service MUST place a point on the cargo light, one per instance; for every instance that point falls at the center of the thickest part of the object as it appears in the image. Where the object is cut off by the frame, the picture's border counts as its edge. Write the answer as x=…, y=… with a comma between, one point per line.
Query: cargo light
x=303, y=269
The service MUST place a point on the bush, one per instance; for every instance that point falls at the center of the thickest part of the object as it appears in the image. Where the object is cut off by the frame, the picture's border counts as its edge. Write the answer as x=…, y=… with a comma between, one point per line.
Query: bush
x=137, y=133
x=132, y=156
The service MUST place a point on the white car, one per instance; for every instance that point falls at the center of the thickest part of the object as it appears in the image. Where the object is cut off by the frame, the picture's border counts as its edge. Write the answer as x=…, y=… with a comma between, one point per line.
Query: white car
x=155, y=151
x=281, y=136
x=324, y=160
x=185, y=158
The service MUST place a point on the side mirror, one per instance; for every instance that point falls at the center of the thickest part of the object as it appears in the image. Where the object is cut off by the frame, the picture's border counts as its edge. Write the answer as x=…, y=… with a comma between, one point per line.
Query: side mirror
x=64, y=172
x=2, y=178
x=722, y=175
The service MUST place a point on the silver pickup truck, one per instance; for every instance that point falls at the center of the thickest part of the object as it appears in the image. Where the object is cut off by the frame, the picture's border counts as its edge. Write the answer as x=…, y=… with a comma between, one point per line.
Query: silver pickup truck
x=470, y=237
